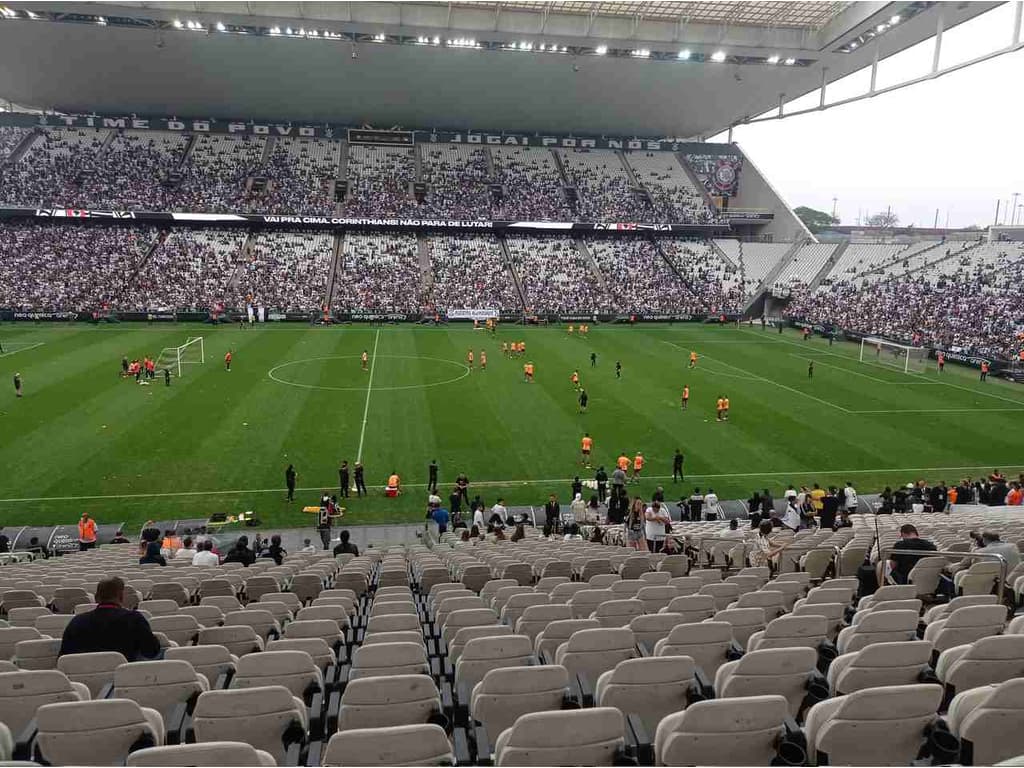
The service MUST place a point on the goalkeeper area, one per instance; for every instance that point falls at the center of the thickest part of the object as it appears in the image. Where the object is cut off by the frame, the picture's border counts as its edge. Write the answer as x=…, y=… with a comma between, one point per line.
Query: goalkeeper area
x=177, y=359
x=904, y=358
x=84, y=439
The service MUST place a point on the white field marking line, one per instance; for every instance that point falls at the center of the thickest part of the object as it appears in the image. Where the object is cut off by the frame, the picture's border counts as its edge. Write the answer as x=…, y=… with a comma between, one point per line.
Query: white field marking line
x=22, y=349
x=767, y=381
x=950, y=410
x=840, y=368
x=937, y=380
x=457, y=364
x=489, y=483
x=369, y=390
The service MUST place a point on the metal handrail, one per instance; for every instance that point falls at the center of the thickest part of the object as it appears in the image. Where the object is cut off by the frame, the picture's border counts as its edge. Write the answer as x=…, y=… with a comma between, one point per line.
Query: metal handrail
x=1001, y=581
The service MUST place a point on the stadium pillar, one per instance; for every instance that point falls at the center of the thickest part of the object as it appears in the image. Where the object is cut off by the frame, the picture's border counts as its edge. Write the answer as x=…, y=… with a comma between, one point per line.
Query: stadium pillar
x=940, y=22
x=874, y=68
x=824, y=83
x=1017, y=14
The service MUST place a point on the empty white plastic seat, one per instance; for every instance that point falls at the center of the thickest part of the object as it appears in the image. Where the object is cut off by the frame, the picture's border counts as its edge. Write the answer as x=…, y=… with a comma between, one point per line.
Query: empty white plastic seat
x=650, y=628
x=378, y=702
x=591, y=652
x=295, y=670
x=618, y=613
x=37, y=654
x=483, y=654
x=879, y=664
x=470, y=617
x=708, y=643
x=11, y=636
x=558, y=632
x=742, y=731
x=220, y=753
x=159, y=607
x=181, y=629
x=783, y=671
x=23, y=692
x=723, y=594
x=159, y=685
x=772, y=602
x=878, y=627
x=536, y=617
x=95, y=732
x=983, y=662
x=464, y=635
x=27, y=616
x=833, y=613
x=873, y=726
x=424, y=744
x=504, y=694
x=263, y=622
x=257, y=716
x=210, y=661
x=94, y=670
x=693, y=607
x=988, y=722
x=585, y=602
x=790, y=632
x=205, y=615
x=570, y=737
x=943, y=610
x=651, y=688
x=888, y=592
x=317, y=649
x=745, y=622
x=965, y=625
x=239, y=640
x=389, y=659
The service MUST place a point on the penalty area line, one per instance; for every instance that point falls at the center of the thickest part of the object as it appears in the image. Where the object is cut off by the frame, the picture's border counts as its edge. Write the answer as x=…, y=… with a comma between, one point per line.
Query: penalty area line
x=22, y=349
x=490, y=483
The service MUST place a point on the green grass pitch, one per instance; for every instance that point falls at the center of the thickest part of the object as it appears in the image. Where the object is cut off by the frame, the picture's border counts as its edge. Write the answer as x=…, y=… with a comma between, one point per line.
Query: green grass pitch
x=83, y=439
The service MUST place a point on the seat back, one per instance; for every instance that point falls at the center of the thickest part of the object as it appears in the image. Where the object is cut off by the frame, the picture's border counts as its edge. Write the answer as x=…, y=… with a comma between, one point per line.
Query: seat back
x=37, y=654
x=707, y=643
x=22, y=693
x=965, y=625
x=693, y=608
x=389, y=659
x=650, y=628
x=396, y=745
x=790, y=632
x=536, y=617
x=483, y=654
x=558, y=632
x=257, y=716
x=505, y=694
x=984, y=662
x=295, y=670
x=239, y=640
x=879, y=664
x=95, y=732
x=722, y=732
x=378, y=702
x=649, y=687
x=878, y=627
x=990, y=721
x=159, y=685
x=94, y=670
x=783, y=671
x=571, y=737
x=618, y=613
x=210, y=661
x=593, y=651
x=220, y=753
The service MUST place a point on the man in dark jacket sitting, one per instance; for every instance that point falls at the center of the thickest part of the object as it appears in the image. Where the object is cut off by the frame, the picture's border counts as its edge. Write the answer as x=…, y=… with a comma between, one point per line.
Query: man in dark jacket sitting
x=110, y=627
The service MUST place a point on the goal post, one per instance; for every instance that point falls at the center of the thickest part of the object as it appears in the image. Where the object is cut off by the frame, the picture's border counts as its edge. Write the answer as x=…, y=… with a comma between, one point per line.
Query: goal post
x=902, y=357
x=192, y=352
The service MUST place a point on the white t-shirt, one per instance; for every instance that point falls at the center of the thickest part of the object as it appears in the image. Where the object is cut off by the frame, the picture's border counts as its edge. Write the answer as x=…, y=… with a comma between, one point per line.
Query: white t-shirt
x=183, y=553
x=478, y=518
x=205, y=558
x=500, y=510
x=310, y=550
x=433, y=500
x=850, y=496
x=654, y=523
x=791, y=519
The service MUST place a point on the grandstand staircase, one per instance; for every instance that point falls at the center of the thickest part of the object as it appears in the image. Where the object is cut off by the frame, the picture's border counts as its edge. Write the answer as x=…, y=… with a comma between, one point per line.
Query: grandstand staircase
x=268, y=149
x=336, y=251
x=596, y=270
x=244, y=257
x=23, y=147
x=629, y=169
x=342, y=175
x=721, y=254
x=671, y=264
x=755, y=305
x=901, y=256
x=830, y=262
x=426, y=273
x=159, y=240
x=512, y=271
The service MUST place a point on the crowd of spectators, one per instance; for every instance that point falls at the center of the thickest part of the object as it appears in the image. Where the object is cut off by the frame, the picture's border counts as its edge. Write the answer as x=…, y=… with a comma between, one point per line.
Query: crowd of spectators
x=51, y=171
x=68, y=268
x=639, y=278
x=717, y=285
x=603, y=188
x=531, y=186
x=457, y=181
x=10, y=137
x=192, y=269
x=978, y=309
x=379, y=181
x=378, y=273
x=673, y=195
x=296, y=179
x=469, y=272
x=288, y=270
x=555, y=277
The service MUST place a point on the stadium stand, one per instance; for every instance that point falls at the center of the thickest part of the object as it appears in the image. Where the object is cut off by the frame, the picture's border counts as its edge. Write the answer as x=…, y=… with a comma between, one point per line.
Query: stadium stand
x=470, y=272
x=484, y=669
x=532, y=188
x=379, y=181
x=456, y=176
x=675, y=197
x=288, y=270
x=378, y=272
x=639, y=278
x=604, y=190
x=555, y=276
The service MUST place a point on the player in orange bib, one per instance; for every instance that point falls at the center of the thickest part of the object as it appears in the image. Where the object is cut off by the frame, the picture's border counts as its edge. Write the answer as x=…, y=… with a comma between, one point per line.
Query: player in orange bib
x=586, y=445
x=469, y=359
x=622, y=462
x=725, y=408
x=364, y=359
x=227, y=361
x=638, y=467
x=483, y=359
x=693, y=360
x=575, y=379
x=686, y=396
x=570, y=329
x=504, y=348
x=528, y=372
x=719, y=408
x=522, y=347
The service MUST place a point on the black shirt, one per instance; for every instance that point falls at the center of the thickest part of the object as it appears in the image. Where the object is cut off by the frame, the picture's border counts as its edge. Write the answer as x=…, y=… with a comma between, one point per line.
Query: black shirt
x=347, y=548
x=583, y=398
x=677, y=461
x=902, y=564
x=577, y=487
x=110, y=628
x=289, y=477
x=601, y=477
x=433, y=471
x=829, y=508
x=359, y=472
x=241, y=555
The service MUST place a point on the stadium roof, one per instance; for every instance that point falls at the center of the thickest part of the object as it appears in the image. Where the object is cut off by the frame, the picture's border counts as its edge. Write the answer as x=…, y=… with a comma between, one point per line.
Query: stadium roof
x=684, y=70
x=797, y=15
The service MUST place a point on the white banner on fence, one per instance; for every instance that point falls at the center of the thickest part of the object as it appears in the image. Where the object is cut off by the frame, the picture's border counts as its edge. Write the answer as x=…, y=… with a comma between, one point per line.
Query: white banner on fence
x=472, y=314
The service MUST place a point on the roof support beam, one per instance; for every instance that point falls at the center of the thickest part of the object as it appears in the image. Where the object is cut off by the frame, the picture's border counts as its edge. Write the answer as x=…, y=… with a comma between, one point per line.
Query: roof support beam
x=940, y=22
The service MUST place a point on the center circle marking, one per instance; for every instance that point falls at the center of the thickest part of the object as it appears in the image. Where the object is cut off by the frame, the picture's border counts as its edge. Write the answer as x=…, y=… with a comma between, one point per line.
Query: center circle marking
x=273, y=371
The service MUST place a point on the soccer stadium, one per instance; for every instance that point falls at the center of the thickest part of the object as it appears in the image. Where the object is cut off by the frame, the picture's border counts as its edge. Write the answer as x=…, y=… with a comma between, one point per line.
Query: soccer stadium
x=510, y=383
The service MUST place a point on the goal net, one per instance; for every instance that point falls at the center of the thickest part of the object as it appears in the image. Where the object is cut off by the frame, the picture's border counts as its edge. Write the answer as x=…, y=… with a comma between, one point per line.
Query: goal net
x=892, y=355
x=175, y=359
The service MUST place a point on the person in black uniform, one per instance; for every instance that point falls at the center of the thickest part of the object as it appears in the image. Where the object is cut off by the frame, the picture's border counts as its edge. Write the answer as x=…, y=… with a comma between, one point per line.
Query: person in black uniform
x=455, y=501
x=323, y=526
x=810, y=369
x=677, y=466
x=601, y=477
x=593, y=359
x=124, y=366
x=462, y=483
x=829, y=509
x=343, y=480
x=360, y=480
x=583, y=401
x=552, y=511
x=577, y=486
x=167, y=378
x=618, y=369
x=432, y=476
x=289, y=481
x=17, y=385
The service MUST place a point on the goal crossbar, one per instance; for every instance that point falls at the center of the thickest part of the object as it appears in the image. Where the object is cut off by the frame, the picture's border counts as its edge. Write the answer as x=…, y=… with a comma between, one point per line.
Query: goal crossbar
x=192, y=352
x=903, y=357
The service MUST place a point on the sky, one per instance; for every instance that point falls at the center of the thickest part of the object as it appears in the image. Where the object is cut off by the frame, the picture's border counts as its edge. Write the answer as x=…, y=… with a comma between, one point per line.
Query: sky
x=955, y=143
